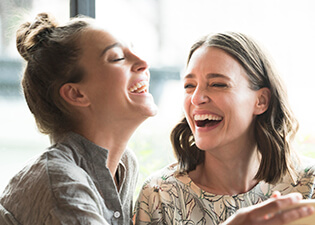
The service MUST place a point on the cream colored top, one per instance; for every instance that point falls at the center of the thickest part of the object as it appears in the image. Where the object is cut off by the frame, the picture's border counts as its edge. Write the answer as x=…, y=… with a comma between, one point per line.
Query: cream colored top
x=168, y=197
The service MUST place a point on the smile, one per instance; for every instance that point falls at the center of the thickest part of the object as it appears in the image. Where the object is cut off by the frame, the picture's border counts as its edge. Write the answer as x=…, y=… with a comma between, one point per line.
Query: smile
x=140, y=87
x=207, y=120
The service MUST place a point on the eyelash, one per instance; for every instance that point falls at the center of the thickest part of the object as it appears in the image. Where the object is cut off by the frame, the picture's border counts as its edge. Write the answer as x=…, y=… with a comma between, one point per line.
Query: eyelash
x=188, y=86
x=118, y=59
x=219, y=85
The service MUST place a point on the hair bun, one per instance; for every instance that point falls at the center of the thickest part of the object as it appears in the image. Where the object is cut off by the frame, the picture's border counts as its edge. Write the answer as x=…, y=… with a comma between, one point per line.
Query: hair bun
x=31, y=35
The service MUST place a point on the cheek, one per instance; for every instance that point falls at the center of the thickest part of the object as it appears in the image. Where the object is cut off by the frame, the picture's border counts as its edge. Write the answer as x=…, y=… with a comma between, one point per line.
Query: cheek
x=114, y=79
x=107, y=88
x=187, y=104
x=115, y=73
x=240, y=112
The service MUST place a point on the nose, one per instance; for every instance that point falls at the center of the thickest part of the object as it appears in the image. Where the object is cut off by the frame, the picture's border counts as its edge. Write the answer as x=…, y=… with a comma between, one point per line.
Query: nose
x=200, y=96
x=139, y=64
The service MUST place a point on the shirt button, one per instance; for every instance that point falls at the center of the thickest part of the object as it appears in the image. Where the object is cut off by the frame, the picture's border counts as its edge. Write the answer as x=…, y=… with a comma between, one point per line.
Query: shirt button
x=116, y=214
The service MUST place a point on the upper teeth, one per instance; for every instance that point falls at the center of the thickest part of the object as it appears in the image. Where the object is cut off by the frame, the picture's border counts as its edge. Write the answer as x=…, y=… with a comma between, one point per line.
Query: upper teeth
x=207, y=116
x=139, y=87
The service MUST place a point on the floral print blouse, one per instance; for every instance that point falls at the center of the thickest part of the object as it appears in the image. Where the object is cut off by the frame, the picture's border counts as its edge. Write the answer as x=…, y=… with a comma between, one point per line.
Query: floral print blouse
x=169, y=197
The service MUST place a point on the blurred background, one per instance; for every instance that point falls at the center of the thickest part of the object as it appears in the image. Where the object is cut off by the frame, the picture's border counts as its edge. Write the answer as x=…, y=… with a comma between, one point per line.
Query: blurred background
x=162, y=32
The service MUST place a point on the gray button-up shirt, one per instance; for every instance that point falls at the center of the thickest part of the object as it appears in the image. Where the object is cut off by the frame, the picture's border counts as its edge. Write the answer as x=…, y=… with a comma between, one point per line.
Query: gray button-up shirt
x=70, y=184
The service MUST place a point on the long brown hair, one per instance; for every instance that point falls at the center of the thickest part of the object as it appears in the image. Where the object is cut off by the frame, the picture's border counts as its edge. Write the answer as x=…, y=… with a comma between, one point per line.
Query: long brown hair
x=52, y=53
x=274, y=129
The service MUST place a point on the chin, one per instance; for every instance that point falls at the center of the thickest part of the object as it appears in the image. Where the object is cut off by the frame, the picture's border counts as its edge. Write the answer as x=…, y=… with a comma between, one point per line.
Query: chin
x=151, y=111
x=202, y=145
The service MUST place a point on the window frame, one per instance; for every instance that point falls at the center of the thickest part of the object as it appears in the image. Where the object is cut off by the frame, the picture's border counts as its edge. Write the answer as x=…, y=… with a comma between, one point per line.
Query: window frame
x=82, y=7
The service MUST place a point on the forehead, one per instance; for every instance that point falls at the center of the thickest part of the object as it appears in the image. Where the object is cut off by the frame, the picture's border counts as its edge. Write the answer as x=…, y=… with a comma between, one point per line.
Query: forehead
x=206, y=60
x=97, y=38
x=93, y=42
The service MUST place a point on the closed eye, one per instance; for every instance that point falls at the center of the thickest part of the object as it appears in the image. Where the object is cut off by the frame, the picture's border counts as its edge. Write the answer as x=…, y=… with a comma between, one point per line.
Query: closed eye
x=118, y=59
x=188, y=86
x=221, y=85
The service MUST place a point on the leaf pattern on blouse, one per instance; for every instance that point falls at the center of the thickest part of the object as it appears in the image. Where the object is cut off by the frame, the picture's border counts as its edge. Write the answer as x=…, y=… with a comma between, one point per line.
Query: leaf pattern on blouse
x=171, y=198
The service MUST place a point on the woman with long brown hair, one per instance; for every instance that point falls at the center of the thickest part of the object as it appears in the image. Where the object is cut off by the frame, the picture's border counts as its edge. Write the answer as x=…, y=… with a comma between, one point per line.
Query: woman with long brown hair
x=233, y=146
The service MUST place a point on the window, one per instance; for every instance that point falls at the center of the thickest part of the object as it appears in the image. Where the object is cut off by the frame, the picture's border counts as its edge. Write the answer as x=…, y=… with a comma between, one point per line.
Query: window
x=19, y=138
x=162, y=32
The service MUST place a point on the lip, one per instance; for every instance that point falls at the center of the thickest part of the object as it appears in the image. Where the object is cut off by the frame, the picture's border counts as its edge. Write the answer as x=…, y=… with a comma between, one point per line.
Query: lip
x=206, y=128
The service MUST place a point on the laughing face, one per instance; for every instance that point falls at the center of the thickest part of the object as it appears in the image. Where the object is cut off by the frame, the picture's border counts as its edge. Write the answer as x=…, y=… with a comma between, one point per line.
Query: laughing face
x=116, y=80
x=219, y=105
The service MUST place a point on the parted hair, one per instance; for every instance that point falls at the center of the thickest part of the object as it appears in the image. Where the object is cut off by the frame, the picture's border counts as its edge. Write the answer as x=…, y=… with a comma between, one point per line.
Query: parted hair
x=274, y=129
x=51, y=53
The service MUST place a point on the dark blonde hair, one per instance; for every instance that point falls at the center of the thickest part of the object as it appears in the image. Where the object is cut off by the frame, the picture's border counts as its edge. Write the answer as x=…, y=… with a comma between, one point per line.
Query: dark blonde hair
x=52, y=53
x=274, y=129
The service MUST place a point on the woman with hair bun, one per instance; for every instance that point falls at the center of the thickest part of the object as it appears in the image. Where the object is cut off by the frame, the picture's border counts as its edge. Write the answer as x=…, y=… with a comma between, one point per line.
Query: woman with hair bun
x=88, y=91
x=233, y=147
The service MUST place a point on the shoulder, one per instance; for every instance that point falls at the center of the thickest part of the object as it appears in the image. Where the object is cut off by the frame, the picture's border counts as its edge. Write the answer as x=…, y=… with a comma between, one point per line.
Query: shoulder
x=58, y=179
x=165, y=182
x=160, y=177
x=32, y=180
x=167, y=197
x=305, y=167
x=38, y=177
x=157, y=187
x=302, y=180
x=61, y=160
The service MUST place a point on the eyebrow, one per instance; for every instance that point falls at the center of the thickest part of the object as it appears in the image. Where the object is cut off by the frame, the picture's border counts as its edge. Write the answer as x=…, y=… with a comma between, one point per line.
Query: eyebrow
x=117, y=44
x=209, y=76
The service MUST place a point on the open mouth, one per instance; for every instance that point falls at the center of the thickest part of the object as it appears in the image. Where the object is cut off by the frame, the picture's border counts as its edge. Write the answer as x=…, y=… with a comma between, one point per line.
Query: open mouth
x=207, y=120
x=140, y=87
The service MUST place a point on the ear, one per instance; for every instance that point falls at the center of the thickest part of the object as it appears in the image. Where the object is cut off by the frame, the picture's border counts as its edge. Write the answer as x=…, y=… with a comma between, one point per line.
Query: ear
x=72, y=94
x=263, y=100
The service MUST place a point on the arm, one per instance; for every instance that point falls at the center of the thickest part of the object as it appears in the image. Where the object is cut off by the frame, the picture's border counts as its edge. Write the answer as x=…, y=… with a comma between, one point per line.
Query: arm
x=270, y=212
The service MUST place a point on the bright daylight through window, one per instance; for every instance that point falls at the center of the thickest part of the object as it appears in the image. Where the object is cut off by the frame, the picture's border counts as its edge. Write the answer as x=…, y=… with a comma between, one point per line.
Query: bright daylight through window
x=162, y=32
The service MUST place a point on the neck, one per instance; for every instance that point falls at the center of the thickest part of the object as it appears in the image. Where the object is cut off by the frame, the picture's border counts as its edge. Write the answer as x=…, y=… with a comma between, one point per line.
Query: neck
x=230, y=174
x=113, y=136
